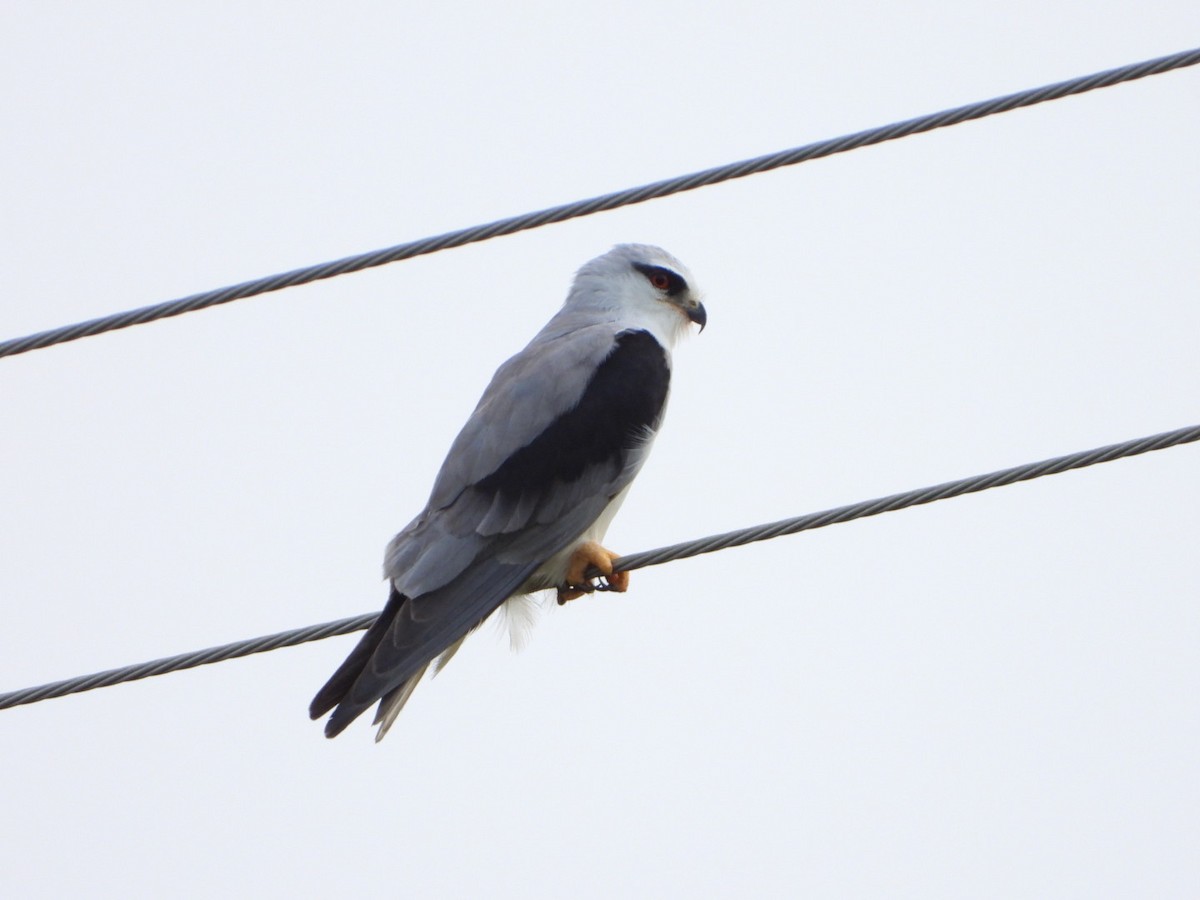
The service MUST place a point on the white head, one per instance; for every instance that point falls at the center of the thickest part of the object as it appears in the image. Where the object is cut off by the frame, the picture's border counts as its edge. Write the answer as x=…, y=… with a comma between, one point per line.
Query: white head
x=642, y=285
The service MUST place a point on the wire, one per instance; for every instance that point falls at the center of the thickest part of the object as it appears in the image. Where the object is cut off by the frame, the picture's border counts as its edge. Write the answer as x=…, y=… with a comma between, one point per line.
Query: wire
x=602, y=203
x=187, y=660
x=685, y=550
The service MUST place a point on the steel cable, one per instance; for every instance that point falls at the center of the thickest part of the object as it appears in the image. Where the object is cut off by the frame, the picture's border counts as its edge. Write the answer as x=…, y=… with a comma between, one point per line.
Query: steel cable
x=602, y=203
x=684, y=550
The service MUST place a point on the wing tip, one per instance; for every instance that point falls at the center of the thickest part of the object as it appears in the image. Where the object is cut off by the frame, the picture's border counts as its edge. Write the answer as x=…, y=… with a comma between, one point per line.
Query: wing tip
x=319, y=707
x=341, y=718
x=332, y=696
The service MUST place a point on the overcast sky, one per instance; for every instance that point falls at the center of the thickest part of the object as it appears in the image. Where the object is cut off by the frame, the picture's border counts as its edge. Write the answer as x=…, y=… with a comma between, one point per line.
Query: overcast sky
x=990, y=696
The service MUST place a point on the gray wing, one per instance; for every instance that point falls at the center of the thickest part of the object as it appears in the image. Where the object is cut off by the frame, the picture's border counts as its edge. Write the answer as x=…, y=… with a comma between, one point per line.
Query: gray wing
x=555, y=437
x=466, y=512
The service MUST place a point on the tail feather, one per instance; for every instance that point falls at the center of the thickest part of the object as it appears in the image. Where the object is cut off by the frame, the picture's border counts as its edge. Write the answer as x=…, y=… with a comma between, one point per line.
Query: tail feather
x=393, y=702
x=410, y=632
x=343, y=679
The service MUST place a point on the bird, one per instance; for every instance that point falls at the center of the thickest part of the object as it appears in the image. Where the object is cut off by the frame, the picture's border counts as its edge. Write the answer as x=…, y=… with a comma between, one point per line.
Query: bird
x=530, y=485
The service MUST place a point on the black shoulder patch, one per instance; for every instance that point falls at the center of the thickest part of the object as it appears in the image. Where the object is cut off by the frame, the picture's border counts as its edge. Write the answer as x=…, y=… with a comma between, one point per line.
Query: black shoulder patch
x=623, y=399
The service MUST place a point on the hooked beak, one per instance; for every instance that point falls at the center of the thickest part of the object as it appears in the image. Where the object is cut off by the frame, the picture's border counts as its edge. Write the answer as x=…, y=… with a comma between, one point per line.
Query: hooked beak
x=698, y=315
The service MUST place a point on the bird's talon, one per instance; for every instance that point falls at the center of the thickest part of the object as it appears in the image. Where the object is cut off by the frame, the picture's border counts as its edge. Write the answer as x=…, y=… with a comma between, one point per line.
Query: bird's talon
x=571, y=592
x=617, y=581
x=577, y=583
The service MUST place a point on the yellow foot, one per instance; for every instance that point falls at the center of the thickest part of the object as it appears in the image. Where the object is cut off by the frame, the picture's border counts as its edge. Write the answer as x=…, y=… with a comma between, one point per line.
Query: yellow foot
x=585, y=556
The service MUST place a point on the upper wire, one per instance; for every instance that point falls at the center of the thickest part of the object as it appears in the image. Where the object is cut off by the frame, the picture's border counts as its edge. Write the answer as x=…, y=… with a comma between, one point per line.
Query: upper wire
x=602, y=203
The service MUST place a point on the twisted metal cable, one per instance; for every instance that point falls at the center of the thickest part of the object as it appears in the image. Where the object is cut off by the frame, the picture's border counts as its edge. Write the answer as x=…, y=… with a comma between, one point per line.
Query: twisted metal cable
x=190, y=660
x=917, y=497
x=602, y=203
x=684, y=550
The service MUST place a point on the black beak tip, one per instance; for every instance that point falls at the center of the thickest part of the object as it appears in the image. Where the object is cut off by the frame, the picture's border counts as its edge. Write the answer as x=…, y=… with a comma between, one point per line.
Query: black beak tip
x=699, y=315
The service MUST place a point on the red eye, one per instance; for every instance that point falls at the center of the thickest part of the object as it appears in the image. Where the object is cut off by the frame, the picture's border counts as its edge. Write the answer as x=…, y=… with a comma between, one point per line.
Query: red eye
x=662, y=279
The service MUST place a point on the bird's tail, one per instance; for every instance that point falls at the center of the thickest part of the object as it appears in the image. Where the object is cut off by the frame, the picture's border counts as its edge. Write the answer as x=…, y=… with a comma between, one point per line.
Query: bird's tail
x=392, y=702
x=343, y=679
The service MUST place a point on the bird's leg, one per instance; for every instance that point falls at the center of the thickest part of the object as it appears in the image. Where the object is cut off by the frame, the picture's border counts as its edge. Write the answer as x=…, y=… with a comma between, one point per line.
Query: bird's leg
x=585, y=556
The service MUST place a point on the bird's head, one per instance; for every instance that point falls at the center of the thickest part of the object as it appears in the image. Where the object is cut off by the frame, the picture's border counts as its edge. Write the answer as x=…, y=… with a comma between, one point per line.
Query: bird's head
x=644, y=285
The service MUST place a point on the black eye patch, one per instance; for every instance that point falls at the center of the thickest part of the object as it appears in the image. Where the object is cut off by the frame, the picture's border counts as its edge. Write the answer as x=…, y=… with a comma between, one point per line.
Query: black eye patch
x=663, y=279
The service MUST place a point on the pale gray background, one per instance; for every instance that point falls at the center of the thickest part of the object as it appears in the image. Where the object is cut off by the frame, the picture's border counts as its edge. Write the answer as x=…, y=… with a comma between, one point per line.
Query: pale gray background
x=992, y=696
